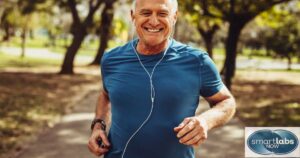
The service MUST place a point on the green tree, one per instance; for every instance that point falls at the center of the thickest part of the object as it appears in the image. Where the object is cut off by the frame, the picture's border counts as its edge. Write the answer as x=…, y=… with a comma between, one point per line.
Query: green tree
x=6, y=9
x=79, y=31
x=206, y=26
x=27, y=14
x=105, y=29
x=56, y=22
x=287, y=43
x=237, y=13
x=281, y=24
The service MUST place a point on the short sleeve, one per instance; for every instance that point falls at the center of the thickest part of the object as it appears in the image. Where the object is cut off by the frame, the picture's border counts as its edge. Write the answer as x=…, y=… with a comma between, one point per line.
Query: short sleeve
x=210, y=79
x=103, y=71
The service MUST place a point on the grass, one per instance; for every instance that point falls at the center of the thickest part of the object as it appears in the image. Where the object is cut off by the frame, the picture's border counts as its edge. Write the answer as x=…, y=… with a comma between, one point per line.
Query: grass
x=16, y=61
x=82, y=51
x=43, y=42
x=88, y=47
x=219, y=54
x=38, y=42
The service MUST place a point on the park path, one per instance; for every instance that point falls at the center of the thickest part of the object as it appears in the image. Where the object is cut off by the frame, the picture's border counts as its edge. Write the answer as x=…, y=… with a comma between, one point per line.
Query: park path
x=68, y=138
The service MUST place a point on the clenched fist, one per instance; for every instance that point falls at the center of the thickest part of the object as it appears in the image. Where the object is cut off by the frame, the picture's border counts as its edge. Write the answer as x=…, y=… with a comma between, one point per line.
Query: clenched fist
x=192, y=131
x=98, y=134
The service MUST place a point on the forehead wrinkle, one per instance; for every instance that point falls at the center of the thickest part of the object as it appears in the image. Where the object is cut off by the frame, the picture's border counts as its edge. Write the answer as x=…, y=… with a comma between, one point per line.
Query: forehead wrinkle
x=159, y=10
x=173, y=3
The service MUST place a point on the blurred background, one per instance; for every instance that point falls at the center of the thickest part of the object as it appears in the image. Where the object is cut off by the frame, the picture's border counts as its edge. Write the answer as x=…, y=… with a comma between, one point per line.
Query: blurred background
x=50, y=52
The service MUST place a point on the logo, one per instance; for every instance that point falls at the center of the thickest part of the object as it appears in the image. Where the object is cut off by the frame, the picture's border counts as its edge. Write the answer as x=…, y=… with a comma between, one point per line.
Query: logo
x=272, y=141
x=276, y=142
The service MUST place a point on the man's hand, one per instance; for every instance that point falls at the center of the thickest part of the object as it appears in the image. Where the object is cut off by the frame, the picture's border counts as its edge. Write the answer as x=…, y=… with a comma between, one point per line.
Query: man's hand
x=93, y=145
x=192, y=131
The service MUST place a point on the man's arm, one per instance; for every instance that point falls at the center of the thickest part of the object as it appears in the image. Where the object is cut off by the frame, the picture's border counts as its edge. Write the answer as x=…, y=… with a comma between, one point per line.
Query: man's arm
x=103, y=108
x=223, y=108
x=193, y=130
x=102, y=112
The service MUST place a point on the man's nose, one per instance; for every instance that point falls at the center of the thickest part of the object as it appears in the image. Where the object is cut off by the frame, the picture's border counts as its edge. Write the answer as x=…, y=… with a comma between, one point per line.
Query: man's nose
x=153, y=20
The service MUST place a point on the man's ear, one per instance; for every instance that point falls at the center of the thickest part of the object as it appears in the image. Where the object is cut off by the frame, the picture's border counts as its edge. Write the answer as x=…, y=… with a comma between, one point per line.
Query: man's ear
x=132, y=15
x=175, y=17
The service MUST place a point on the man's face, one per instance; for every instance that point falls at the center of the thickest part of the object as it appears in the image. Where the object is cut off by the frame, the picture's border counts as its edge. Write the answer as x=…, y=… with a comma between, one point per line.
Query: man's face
x=154, y=20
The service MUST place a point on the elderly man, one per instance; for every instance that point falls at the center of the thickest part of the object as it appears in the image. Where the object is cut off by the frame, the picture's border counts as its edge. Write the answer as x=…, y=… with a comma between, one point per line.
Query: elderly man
x=151, y=88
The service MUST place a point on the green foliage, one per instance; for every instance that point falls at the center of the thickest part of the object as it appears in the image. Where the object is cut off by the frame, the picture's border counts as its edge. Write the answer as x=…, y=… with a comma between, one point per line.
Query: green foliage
x=287, y=41
x=228, y=10
x=120, y=30
x=273, y=17
x=194, y=14
x=280, y=30
x=30, y=6
x=278, y=15
x=27, y=12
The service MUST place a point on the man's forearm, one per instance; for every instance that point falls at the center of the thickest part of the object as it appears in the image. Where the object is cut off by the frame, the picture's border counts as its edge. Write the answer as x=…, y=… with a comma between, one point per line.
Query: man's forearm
x=103, y=107
x=219, y=114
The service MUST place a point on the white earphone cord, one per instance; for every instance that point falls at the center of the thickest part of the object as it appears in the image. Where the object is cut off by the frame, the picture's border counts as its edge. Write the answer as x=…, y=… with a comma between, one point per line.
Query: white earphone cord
x=152, y=90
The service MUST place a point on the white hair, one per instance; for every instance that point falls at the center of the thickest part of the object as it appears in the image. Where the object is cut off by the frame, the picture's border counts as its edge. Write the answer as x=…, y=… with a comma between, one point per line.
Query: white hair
x=174, y=2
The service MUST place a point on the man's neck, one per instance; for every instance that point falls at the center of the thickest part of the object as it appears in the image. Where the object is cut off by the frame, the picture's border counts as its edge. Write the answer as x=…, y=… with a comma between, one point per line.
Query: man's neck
x=145, y=49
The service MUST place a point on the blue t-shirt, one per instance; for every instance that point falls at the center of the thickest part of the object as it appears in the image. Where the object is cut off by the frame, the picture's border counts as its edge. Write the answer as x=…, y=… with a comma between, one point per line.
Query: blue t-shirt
x=184, y=74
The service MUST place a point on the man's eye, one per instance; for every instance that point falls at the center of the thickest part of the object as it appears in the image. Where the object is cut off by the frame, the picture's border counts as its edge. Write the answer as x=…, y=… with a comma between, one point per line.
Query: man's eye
x=163, y=14
x=146, y=14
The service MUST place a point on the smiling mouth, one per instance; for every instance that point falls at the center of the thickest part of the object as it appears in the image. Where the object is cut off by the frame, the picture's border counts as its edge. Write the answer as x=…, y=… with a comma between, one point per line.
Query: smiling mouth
x=153, y=30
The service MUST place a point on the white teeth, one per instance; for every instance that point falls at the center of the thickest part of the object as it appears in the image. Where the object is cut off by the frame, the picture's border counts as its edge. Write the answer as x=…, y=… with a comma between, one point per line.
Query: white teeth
x=153, y=30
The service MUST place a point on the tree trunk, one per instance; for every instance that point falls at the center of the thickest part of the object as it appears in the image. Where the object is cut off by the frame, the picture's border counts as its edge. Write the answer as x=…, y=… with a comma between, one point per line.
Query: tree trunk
x=5, y=24
x=289, y=66
x=268, y=52
x=23, y=43
x=209, y=46
x=106, y=22
x=2, y=11
x=65, y=37
x=207, y=36
x=52, y=39
x=6, y=36
x=31, y=34
x=229, y=67
x=67, y=67
x=79, y=31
